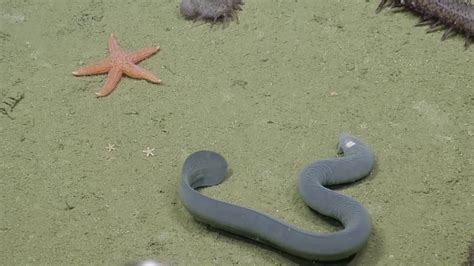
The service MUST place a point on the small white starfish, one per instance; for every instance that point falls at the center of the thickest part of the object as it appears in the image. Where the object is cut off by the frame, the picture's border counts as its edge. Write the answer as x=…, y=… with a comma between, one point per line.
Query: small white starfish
x=110, y=147
x=149, y=151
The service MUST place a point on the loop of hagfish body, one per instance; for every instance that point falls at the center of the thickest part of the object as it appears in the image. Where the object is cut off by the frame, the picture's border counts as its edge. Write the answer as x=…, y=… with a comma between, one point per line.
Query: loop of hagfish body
x=207, y=168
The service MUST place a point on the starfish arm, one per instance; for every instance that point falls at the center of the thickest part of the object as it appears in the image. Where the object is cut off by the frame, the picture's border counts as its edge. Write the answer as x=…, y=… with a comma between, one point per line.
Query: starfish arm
x=113, y=45
x=135, y=71
x=112, y=79
x=144, y=53
x=100, y=67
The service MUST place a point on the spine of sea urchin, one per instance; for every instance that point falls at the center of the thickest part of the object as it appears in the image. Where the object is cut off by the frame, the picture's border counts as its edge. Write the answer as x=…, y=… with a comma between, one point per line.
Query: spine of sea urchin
x=454, y=15
x=470, y=254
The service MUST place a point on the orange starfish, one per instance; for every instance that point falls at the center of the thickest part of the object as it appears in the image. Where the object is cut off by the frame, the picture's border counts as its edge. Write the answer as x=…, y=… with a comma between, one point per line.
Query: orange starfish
x=117, y=64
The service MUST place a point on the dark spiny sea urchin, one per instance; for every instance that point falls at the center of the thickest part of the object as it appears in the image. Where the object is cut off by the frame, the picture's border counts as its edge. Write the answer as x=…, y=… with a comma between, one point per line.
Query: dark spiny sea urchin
x=454, y=15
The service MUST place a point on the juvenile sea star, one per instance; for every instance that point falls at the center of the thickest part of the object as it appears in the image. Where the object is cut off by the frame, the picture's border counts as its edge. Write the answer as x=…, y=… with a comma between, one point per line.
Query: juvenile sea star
x=149, y=151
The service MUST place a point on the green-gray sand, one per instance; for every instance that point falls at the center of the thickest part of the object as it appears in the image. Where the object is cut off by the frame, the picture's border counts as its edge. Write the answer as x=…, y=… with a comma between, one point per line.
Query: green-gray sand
x=268, y=92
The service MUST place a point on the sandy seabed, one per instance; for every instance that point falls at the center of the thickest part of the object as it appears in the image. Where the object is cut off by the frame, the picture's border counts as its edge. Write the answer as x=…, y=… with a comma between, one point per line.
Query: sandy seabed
x=270, y=94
